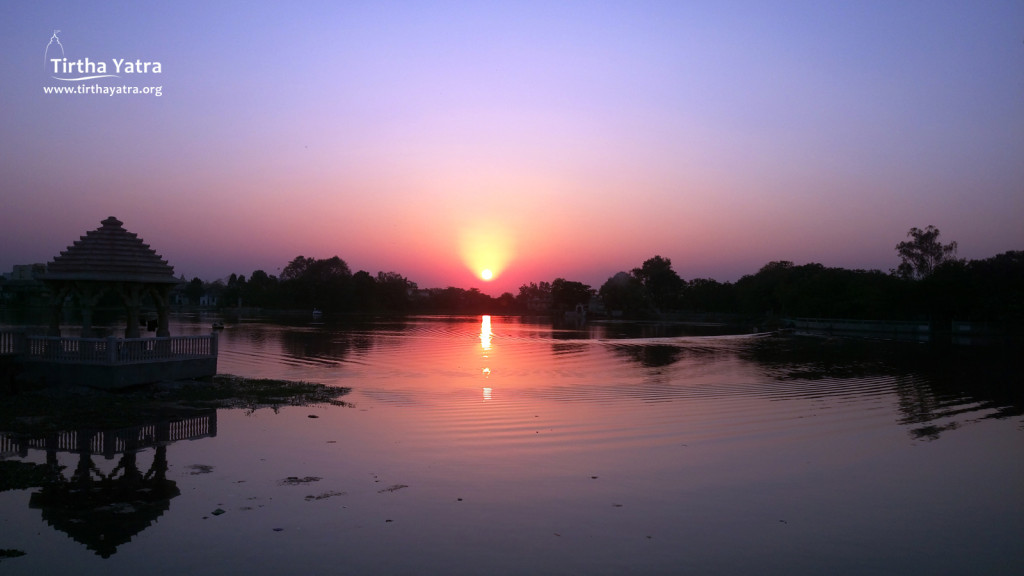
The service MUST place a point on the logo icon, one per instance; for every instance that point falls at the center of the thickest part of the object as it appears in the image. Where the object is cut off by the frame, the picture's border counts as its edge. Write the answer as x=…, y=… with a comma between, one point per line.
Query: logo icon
x=46, y=53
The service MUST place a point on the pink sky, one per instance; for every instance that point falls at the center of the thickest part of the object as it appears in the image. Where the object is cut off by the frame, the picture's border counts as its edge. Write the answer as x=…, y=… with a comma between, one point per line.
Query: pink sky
x=543, y=141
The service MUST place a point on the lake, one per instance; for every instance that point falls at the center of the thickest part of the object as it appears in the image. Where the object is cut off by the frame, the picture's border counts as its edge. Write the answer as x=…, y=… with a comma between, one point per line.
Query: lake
x=499, y=445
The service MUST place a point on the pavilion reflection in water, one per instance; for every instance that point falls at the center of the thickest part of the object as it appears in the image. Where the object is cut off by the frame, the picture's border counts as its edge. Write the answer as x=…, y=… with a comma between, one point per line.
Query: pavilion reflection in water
x=104, y=510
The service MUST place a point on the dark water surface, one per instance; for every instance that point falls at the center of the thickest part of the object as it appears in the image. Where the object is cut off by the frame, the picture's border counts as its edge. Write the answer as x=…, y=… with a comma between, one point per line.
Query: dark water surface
x=496, y=446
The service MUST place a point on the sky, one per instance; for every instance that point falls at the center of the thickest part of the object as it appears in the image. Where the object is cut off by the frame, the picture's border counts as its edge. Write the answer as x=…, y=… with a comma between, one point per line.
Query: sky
x=540, y=140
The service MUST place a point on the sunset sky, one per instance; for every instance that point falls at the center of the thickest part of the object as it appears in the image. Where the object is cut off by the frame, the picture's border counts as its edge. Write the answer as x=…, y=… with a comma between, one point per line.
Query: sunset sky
x=537, y=139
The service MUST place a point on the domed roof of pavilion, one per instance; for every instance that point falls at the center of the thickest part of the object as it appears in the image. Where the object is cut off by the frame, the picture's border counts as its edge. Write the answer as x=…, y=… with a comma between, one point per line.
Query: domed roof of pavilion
x=110, y=254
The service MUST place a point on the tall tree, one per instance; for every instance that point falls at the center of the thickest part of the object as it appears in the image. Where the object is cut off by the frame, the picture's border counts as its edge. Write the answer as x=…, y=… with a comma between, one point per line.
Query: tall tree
x=325, y=284
x=565, y=294
x=624, y=293
x=194, y=291
x=661, y=281
x=923, y=253
x=708, y=295
x=261, y=290
x=393, y=290
x=534, y=297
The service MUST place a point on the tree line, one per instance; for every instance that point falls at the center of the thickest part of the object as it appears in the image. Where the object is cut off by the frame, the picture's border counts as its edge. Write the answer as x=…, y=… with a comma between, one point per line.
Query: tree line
x=930, y=283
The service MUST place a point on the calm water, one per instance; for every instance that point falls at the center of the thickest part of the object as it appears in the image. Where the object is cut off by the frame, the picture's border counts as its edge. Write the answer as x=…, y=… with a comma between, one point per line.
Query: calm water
x=495, y=446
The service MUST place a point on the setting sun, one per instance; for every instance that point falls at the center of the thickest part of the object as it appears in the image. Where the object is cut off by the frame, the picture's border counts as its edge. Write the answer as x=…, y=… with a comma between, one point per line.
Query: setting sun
x=486, y=250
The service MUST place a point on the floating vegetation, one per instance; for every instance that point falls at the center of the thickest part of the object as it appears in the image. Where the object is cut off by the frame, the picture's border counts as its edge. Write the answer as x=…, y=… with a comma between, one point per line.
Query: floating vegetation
x=10, y=553
x=295, y=480
x=393, y=488
x=15, y=475
x=226, y=391
x=324, y=495
x=53, y=409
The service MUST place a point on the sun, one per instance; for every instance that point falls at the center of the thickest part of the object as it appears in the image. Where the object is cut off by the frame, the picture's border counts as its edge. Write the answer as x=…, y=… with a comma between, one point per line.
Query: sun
x=486, y=249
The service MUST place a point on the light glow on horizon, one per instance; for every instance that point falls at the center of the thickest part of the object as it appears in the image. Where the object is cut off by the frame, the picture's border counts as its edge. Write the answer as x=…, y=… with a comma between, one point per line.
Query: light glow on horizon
x=486, y=250
x=536, y=140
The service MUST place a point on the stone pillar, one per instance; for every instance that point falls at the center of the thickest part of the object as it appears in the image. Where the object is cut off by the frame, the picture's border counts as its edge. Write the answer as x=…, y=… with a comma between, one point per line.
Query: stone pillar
x=86, y=320
x=159, y=466
x=89, y=295
x=161, y=295
x=109, y=445
x=56, y=307
x=54, y=329
x=132, y=296
x=83, y=472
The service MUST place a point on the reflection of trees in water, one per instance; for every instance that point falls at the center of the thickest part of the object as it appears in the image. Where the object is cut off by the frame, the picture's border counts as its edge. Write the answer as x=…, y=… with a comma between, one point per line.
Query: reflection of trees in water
x=665, y=329
x=102, y=510
x=335, y=342
x=646, y=350
x=939, y=388
x=962, y=385
x=694, y=353
x=567, y=348
x=783, y=358
x=651, y=355
x=315, y=345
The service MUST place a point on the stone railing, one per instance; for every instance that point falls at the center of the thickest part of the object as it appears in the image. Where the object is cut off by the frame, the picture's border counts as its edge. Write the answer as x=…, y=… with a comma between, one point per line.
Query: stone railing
x=110, y=351
x=11, y=343
x=110, y=442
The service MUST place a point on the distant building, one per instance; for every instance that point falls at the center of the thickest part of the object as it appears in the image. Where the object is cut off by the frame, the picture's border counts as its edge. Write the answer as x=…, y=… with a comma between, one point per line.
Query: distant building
x=28, y=272
x=22, y=287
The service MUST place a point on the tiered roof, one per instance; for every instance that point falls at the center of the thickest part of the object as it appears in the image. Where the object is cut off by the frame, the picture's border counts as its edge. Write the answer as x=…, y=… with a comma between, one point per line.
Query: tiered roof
x=110, y=254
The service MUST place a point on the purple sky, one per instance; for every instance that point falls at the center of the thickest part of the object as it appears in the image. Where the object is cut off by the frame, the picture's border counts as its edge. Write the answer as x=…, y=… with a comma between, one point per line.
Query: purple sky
x=539, y=139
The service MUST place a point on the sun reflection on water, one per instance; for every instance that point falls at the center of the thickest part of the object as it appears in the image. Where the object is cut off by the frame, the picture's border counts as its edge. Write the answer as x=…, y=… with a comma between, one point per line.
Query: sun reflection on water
x=485, y=343
x=485, y=332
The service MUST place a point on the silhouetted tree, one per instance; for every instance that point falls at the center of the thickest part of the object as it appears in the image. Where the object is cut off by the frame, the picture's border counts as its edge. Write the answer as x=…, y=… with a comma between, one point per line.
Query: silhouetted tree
x=312, y=283
x=998, y=287
x=534, y=297
x=364, y=291
x=945, y=294
x=506, y=302
x=758, y=293
x=565, y=295
x=233, y=291
x=215, y=291
x=453, y=300
x=474, y=301
x=707, y=295
x=194, y=291
x=624, y=293
x=393, y=291
x=261, y=290
x=812, y=290
x=661, y=281
x=297, y=268
x=923, y=253
x=989, y=290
